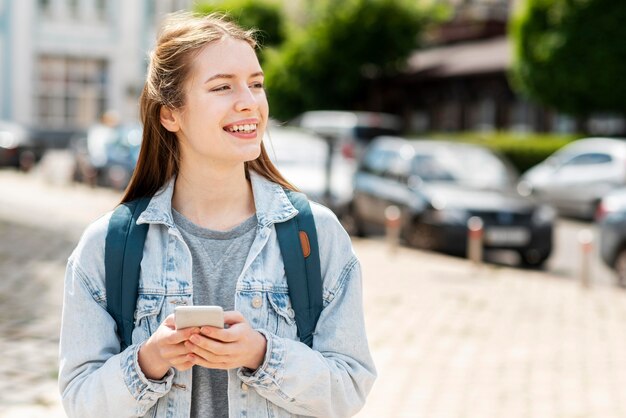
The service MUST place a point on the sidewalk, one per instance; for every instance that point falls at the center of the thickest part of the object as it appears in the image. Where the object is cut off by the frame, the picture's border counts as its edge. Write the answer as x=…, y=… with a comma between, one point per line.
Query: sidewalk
x=449, y=339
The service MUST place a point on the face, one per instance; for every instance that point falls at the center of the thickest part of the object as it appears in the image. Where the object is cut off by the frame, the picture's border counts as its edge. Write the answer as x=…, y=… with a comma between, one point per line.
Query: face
x=225, y=112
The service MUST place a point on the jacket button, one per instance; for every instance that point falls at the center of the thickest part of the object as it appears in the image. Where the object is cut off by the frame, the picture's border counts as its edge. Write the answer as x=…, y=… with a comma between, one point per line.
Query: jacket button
x=244, y=387
x=291, y=313
x=257, y=302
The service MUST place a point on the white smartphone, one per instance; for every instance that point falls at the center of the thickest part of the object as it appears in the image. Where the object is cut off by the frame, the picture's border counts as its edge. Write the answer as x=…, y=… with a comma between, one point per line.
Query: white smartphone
x=198, y=316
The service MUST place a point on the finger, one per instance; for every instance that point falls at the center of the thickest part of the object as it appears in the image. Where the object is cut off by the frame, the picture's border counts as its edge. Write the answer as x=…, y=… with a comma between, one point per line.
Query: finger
x=216, y=347
x=185, y=366
x=233, y=317
x=169, y=321
x=226, y=335
x=206, y=354
x=182, y=335
x=172, y=351
x=199, y=361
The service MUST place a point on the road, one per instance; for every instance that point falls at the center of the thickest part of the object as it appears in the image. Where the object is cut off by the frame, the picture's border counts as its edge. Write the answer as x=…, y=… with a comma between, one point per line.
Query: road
x=450, y=339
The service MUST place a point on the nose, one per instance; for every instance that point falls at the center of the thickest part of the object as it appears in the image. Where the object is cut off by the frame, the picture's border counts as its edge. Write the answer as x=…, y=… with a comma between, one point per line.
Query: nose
x=246, y=100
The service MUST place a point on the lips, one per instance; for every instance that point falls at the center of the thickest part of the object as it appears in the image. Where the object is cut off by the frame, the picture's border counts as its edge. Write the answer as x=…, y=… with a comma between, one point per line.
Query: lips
x=244, y=129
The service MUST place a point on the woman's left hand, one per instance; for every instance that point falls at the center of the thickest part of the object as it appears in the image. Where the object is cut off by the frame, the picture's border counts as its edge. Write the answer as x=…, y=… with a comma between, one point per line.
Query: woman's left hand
x=239, y=345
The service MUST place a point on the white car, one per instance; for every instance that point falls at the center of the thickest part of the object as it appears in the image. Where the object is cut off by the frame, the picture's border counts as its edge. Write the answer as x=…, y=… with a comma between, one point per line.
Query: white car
x=352, y=131
x=302, y=158
x=576, y=177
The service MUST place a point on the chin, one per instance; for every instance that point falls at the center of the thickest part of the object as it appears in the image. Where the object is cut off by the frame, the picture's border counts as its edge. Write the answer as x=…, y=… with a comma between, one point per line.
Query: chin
x=252, y=153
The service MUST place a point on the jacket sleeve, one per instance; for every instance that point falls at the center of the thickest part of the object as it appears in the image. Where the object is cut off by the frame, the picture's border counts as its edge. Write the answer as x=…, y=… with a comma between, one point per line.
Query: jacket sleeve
x=334, y=378
x=95, y=379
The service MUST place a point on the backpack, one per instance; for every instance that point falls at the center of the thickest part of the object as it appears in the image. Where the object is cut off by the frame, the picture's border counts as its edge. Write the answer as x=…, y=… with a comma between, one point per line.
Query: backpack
x=297, y=240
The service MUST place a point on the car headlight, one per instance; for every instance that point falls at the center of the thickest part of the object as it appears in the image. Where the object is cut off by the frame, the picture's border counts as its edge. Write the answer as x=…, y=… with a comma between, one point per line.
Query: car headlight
x=544, y=214
x=7, y=140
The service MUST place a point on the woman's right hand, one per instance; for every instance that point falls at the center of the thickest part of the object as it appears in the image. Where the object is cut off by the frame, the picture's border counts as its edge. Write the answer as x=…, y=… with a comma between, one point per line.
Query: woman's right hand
x=166, y=348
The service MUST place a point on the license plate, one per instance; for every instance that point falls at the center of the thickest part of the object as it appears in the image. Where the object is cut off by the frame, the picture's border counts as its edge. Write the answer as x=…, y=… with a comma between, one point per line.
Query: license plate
x=507, y=236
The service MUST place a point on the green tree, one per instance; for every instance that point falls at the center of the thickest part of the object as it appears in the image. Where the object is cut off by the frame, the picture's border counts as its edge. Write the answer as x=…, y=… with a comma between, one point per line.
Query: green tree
x=571, y=54
x=326, y=65
x=264, y=15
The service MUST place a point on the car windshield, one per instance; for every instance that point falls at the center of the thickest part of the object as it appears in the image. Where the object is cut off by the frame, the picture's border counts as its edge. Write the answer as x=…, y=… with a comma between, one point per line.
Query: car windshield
x=290, y=147
x=474, y=167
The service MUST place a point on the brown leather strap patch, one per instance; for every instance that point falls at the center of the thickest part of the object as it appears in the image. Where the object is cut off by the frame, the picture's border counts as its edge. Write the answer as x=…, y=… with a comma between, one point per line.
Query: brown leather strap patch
x=304, y=242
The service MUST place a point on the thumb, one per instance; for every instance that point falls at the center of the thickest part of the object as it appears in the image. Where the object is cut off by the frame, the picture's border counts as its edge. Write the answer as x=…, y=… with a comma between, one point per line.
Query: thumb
x=169, y=322
x=233, y=317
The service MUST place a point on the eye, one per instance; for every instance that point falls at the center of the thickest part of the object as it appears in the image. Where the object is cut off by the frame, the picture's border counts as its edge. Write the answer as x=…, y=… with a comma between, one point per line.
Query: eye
x=221, y=88
x=257, y=85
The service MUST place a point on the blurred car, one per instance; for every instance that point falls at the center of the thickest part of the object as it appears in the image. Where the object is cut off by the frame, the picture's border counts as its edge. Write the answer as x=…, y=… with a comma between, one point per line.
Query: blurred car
x=577, y=176
x=611, y=218
x=106, y=156
x=438, y=186
x=302, y=158
x=351, y=132
x=17, y=146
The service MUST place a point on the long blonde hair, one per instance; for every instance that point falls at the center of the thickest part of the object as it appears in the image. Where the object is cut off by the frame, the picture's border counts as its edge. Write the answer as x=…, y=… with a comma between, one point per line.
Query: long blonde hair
x=182, y=37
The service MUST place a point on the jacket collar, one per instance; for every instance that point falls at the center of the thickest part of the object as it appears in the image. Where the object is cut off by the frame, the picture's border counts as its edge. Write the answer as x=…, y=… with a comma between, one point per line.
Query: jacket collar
x=270, y=199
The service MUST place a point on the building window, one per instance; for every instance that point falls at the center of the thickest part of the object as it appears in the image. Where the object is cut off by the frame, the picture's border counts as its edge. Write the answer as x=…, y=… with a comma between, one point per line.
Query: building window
x=45, y=7
x=74, y=12
x=71, y=91
x=101, y=9
x=523, y=117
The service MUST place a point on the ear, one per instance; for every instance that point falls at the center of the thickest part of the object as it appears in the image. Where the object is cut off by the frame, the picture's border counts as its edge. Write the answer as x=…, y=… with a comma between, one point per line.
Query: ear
x=169, y=119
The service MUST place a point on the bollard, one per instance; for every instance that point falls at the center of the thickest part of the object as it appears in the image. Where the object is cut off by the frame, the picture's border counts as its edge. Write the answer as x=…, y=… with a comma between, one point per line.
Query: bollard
x=475, y=239
x=392, y=227
x=585, y=239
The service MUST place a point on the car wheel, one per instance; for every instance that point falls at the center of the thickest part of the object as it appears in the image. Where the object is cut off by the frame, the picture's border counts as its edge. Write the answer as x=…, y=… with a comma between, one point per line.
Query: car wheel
x=620, y=267
x=420, y=236
x=532, y=259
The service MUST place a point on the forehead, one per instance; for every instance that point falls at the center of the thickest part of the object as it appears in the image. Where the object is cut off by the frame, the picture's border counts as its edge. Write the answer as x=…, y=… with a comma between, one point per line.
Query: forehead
x=226, y=56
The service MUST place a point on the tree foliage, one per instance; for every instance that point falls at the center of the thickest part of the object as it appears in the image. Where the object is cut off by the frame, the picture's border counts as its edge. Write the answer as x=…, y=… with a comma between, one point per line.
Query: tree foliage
x=324, y=66
x=571, y=54
x=264, y=15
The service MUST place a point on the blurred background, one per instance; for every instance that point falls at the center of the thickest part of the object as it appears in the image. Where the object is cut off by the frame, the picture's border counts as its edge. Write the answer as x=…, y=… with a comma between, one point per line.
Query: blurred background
x=473, y=149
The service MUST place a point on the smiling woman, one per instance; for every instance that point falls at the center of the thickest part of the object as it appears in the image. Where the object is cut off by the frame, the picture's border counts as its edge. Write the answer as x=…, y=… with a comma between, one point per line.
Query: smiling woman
x=214, y=202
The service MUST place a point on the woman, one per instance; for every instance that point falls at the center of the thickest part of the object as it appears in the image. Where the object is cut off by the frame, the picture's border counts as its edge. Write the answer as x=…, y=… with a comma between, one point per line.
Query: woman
x=211, y=241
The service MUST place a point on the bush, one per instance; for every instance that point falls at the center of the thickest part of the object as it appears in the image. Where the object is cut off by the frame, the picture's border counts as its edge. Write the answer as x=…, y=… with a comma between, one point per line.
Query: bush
x=523, y=150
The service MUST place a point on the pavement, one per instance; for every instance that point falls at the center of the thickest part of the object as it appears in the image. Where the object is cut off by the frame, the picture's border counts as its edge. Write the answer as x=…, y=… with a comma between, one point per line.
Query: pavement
x=450, y=339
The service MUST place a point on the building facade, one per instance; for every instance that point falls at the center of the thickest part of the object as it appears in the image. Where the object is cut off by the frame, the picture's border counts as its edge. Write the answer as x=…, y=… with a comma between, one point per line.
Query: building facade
x=63, y=63
x=460, y=81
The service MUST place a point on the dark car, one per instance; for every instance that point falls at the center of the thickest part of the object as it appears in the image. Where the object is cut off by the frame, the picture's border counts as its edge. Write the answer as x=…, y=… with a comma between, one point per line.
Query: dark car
x=350, y=132
x=438, y=186
x=106, y=156
x=611, y=218
x=17, y=146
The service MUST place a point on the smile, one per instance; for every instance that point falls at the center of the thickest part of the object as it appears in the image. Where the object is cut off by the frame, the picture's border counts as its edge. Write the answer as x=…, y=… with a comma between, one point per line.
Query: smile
x=247, y=128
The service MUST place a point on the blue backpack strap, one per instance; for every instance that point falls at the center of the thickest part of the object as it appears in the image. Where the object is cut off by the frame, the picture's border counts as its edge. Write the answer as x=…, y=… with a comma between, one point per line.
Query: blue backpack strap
x=297, y=239
x=123, y=252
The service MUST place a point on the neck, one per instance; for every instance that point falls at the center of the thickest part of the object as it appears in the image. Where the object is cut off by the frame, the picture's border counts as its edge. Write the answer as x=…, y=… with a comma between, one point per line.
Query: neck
x=214, y=199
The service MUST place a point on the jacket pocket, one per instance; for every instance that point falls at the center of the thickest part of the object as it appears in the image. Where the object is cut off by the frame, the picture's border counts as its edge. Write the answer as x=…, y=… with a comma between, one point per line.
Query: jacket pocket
x=149, y=306
x=282, y=317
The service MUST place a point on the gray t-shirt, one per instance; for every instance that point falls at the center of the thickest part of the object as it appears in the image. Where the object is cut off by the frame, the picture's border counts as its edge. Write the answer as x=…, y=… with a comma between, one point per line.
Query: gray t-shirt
x=218, y=258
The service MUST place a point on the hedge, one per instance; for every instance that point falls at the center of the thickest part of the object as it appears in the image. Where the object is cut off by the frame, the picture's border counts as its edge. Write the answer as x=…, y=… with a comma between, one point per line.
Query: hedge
x=523, y=150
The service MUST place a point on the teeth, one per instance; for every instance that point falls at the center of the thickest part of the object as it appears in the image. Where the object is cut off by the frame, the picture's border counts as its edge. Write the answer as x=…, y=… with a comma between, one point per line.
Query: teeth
x=243, y=128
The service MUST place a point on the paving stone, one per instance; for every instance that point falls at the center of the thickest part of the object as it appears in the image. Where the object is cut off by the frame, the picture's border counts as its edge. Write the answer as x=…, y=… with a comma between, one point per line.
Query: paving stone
x=450, y=339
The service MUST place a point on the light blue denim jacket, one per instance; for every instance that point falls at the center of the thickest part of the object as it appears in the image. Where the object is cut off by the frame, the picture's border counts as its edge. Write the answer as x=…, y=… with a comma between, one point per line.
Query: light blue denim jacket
x=330, y=380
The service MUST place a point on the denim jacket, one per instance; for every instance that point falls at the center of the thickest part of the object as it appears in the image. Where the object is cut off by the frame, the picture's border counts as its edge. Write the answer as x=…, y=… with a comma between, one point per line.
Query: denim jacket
x=330, y=380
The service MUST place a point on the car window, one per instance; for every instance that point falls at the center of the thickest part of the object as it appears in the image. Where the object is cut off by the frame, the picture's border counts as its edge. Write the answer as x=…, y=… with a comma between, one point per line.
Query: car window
x=589, y=159
x=475, y=167
x=379, y=160
x=428, y=168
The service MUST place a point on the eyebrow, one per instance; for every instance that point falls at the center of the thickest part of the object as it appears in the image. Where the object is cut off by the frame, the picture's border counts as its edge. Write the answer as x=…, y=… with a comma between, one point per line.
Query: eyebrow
x=230, y=76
